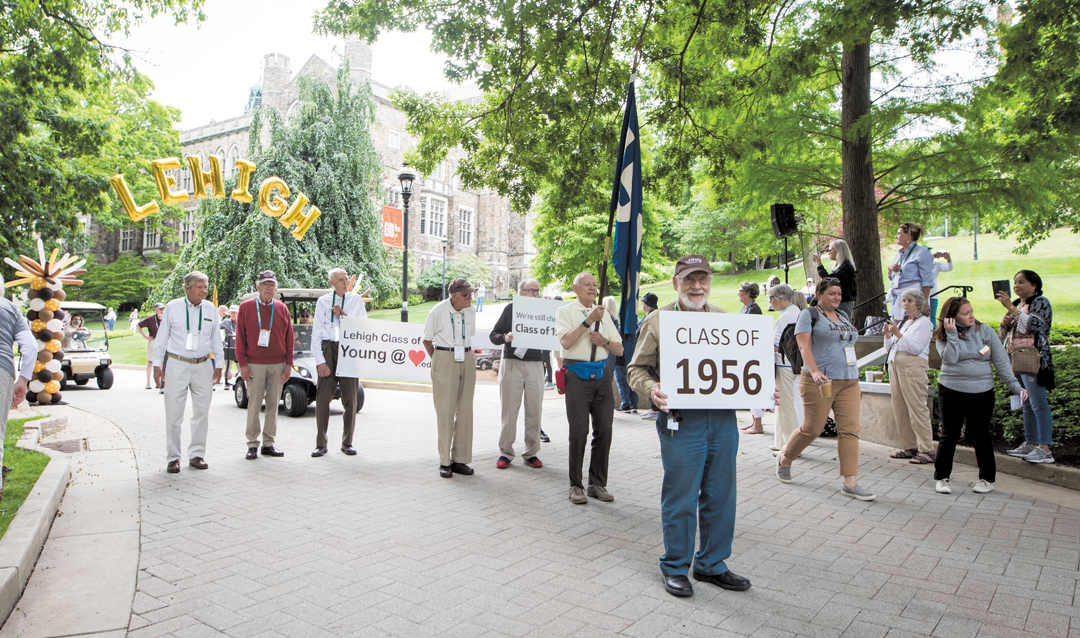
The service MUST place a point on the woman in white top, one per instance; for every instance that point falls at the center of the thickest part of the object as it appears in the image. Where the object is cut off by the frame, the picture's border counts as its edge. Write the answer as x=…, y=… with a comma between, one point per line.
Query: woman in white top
x=789, y=412
x=908, y=345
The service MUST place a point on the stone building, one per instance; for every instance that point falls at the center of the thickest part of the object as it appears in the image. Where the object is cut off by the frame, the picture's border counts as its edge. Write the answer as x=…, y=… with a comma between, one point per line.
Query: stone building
x=469, y=222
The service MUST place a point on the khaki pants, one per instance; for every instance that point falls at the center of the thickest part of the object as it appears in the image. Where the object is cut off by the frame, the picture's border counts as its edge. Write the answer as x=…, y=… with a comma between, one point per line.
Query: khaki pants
x=182, y=377
x=324, y=394
x=265, y=384
x=453, y=384
x=7, y=392
x=518, y=378
x=908, y=380
x=788, y=413
x=844, y=404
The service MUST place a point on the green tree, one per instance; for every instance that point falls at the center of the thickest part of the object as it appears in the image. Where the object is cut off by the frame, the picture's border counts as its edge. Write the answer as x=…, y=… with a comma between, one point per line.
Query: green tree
x=469, y=267
x=325, y=152
x=55, y=67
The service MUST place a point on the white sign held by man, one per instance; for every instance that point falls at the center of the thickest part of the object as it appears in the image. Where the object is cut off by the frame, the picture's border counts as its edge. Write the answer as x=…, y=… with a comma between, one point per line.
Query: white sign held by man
x=534, y=323
x=387, y=350
x=714, y=360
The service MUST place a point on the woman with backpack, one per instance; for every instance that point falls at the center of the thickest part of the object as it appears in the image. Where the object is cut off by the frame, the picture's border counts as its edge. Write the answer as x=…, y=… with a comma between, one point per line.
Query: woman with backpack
x=830, y=381
x=966, y=390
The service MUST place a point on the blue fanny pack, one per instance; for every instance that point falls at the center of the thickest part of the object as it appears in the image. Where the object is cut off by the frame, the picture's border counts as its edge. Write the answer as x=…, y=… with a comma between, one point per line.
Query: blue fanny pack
x=588, y=369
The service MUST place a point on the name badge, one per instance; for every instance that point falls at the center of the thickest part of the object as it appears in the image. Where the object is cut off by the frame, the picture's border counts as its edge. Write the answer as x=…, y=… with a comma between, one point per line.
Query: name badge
x=264, y=338
x=459, y=353
x=983, y=351
x=520, y=352
x=849, y=353
x=335, y=333
x=673, y=425
x=192, y=341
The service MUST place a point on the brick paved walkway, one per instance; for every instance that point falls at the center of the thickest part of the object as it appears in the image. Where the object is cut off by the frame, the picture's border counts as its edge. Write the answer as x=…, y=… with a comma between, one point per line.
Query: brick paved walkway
x=379, y=545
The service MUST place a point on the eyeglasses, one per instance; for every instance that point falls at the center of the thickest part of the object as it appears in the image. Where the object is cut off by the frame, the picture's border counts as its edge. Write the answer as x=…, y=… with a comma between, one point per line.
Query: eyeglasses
x=697, y=279
x=532, y=290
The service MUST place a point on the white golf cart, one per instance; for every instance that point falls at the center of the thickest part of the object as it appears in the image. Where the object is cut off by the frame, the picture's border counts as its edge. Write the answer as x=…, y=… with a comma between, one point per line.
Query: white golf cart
x=86, y=348
x=299, y=390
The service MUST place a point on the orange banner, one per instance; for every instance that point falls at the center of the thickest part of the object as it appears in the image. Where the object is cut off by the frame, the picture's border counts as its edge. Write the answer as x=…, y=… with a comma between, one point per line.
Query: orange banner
x=391, y=227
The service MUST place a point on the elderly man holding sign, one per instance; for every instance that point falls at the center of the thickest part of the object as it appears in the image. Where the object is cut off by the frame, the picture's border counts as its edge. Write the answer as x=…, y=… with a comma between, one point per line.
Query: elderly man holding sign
x=697, y=446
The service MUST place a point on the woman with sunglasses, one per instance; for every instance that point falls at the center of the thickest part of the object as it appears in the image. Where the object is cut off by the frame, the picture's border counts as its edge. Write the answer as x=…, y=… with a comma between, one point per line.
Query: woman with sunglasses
x=829, y=382
x=966, y=390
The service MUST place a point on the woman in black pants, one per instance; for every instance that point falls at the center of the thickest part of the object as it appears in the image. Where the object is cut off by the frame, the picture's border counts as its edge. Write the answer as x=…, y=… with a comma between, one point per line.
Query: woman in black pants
x=966, y=390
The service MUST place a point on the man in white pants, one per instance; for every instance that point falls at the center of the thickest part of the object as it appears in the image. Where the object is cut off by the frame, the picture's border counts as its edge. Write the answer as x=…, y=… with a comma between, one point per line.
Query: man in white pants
x=522, y=373
x=188, y=334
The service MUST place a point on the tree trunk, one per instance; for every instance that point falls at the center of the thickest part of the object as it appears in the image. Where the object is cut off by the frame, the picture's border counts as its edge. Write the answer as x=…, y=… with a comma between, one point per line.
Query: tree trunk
x=857, y=177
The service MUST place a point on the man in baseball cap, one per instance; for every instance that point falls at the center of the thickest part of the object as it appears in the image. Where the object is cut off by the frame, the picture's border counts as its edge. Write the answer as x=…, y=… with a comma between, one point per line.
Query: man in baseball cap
x=448, y=334
x=698, y=449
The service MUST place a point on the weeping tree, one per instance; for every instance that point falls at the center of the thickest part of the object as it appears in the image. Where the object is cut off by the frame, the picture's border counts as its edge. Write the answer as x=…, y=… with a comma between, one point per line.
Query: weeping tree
x=325, y=152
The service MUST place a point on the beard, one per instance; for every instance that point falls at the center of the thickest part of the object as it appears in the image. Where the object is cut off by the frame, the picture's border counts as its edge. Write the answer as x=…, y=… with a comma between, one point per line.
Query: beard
x=684, y=301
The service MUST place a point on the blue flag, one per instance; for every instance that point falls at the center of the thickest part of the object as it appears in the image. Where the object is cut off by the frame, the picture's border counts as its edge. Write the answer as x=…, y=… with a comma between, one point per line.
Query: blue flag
x=626, y=203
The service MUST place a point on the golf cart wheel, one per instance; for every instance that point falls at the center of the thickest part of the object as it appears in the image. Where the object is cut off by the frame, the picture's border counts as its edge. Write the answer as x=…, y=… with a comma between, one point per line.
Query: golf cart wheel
x=78, y=382
x=104, y=378
x=240, y=394
x=64, y=381
x=295, y=400
x=359, y=397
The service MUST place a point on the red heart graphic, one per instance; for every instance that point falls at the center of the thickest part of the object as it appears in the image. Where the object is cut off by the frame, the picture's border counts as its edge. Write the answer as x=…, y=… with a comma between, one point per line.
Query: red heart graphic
x=417, y=356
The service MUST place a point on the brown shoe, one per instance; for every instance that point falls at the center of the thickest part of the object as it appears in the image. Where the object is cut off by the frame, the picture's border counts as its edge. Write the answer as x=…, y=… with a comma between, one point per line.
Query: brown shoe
x=197, y=463
x=174, y=467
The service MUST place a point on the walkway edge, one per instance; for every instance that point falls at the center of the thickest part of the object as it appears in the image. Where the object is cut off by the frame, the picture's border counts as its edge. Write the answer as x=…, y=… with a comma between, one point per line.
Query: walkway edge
x=22, y=544
x=1049, y=473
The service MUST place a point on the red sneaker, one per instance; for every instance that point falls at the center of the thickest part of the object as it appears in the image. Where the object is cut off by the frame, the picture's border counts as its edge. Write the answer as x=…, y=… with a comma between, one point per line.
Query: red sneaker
x=532, y=461
x=502, y=463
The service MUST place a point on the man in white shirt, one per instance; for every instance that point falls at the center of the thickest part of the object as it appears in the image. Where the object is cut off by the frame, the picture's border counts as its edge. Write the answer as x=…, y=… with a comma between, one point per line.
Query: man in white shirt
x=189, y=333
x=448, y=334
x=480, y=292
x=325, y=334
x=580, y=326
x=810, y=289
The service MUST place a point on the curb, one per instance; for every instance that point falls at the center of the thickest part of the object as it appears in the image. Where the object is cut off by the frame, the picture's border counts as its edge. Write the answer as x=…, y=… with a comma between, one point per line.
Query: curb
x=1049, y=473
x=26, y=536
x=396, y=385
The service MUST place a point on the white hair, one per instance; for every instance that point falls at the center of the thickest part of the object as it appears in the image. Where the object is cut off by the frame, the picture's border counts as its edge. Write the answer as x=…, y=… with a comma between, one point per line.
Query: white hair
x=192, y=277
x=527, y=280
x=784, y=292
x=577, y=279
x=843, y=252
x=330, y=275
x=915, y=295
x=611, y=306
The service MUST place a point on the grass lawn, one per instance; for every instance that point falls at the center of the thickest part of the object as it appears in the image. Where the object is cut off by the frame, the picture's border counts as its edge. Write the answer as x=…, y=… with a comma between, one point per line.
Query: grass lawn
x=1057, y=260
x=26, y=466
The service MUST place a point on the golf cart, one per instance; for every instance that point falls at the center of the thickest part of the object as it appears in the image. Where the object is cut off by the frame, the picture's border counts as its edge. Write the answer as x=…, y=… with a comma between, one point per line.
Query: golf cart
x=86, y=346
x=299, y=390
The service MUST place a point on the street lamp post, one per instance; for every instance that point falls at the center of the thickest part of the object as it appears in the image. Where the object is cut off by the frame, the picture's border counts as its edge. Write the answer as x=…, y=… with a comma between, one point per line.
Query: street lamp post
x=407, y=176
x=444, y=268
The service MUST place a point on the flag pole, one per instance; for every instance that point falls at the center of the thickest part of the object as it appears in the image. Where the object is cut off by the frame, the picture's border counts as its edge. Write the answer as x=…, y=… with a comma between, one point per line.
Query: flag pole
x=610, y=228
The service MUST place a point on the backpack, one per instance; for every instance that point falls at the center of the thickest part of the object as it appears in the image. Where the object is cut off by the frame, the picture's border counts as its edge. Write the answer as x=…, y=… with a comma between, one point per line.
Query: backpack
x=789, y=346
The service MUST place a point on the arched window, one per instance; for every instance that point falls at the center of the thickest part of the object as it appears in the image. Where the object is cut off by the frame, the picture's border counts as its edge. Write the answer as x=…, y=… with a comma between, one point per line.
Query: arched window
x=289, y=111
x=230, y=161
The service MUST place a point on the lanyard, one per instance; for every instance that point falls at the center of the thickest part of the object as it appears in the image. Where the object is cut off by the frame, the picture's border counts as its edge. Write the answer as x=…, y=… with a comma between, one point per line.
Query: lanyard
x=907, y=255
x=187, y=315
x=258, y=313
x=333, y=302
x=462, y=328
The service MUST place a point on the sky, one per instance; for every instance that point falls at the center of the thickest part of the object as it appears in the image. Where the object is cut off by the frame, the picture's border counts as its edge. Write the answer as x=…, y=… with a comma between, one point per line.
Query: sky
x=208, y=70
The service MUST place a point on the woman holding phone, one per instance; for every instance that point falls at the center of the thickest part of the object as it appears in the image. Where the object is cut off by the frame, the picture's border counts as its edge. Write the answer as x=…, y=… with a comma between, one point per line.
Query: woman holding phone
x=1030, y=314
x=966, y=390
x=843, y=270
x=829, y=381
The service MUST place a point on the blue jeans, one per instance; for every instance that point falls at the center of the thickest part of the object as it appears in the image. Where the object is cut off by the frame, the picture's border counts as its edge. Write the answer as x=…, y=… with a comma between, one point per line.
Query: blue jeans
x=699, y=486
x=628, y=397
x=110, y=322
x=1038, y=422
x=480, y=303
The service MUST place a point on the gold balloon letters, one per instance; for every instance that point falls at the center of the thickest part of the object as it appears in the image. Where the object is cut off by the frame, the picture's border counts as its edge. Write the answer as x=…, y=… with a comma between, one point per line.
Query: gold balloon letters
x=273, y=205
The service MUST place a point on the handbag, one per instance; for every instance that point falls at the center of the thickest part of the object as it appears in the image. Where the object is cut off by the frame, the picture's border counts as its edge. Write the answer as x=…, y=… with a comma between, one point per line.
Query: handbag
x=1025, y=356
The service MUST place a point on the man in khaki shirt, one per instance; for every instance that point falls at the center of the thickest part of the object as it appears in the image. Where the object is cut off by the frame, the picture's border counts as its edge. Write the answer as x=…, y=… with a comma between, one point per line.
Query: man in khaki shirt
x=580, y=325
x=698, y=448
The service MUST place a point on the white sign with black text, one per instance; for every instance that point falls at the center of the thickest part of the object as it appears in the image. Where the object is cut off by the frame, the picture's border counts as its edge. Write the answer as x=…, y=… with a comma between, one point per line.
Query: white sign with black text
x=387, y=350
x=534, y=323
x=712, y=360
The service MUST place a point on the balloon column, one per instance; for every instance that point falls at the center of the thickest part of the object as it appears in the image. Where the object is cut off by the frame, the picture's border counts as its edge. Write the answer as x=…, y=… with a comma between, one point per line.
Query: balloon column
x=46, y=278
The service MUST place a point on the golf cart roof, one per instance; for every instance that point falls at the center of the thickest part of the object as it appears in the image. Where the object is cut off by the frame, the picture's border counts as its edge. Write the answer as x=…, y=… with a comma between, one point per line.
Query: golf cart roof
x=294, y=294
x=81, y=305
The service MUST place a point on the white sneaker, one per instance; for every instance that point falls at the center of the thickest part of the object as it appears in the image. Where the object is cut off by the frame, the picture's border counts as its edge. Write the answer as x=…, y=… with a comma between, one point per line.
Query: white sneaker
x=942, y=487
x=1022, y=450
x=1038, y=455
x=983, y=487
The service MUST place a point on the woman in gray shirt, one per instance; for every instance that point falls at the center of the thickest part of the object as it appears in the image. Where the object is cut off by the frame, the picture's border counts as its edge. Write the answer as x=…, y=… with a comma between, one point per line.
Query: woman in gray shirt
x=966, y=390
x=829, y=381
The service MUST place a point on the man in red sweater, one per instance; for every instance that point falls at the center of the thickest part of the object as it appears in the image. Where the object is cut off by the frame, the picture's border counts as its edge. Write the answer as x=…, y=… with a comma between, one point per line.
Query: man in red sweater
x=264, y=351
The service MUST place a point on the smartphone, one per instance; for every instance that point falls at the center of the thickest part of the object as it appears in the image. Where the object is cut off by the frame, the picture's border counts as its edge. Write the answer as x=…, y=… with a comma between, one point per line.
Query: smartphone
x=1000, y=285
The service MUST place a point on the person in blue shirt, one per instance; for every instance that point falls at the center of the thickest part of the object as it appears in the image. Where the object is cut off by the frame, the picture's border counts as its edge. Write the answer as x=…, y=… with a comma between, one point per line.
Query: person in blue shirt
x=912, y=268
